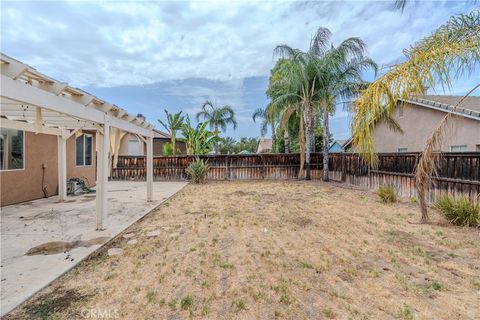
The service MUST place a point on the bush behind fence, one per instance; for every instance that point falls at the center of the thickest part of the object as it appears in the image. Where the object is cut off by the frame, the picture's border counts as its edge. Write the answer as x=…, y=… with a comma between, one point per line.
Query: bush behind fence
x=458, y=173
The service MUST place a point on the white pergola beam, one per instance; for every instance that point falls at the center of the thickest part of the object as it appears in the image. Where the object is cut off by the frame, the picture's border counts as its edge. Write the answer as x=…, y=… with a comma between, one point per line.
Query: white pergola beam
x=103, y=146
x=149, y=169
x=31, y=95
x=62, y=168
x=26, y=126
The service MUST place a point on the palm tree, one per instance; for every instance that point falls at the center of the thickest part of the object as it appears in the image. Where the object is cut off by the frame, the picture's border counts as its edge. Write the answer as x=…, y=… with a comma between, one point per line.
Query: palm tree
x=278, y=86
x=227, y=145
x=451, y=51
x=174, y=123
x=267, y=116
x=301, y=79
x=339, y=74
x=317, y=78
x=217, y=117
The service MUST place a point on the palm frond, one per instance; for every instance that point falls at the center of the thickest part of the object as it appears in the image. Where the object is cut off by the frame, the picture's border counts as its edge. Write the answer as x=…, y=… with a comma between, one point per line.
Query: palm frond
x=452, y=50
x=259, y=113
x=320, y=42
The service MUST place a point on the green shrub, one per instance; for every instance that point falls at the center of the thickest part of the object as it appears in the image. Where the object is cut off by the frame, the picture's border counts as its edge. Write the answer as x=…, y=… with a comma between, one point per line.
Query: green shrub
x=387, y=193
x=198, y=170
x=186, y=302
x=460, y=211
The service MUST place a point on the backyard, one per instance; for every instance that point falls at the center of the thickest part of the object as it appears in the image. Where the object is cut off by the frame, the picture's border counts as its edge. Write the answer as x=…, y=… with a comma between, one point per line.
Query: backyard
x=292, y=249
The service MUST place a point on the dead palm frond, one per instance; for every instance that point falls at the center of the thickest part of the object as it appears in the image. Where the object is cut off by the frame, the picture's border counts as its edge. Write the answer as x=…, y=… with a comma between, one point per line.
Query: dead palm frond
x=451, y=51
x=428, y=163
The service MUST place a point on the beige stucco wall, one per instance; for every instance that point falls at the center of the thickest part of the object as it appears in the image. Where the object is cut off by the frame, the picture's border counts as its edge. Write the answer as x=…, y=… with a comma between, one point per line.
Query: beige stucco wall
x=25, y=185
x=417, y=123
x=123, y=151
x=157, y=146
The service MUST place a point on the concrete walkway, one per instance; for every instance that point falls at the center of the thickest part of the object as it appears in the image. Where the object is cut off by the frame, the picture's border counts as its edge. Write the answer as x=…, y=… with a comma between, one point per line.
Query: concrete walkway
x=38, y=222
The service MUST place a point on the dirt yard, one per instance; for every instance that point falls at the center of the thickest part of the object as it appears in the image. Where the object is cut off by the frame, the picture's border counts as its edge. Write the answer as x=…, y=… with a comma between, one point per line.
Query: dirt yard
x=263, y=250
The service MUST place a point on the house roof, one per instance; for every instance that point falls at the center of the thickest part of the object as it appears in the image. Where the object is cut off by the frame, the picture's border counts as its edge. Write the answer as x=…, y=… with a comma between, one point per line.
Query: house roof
x=160, y=134
x=264, y=144
x=470, y=106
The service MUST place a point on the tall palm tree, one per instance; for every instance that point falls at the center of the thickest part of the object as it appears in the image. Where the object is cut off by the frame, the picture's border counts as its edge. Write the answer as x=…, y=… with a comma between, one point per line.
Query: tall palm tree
x=278, y=86
x=301, y=79
x=339, y=74
x=318, y=77
x=451, y=51
x=217, y=117
x=267, y=115
x=174, y=123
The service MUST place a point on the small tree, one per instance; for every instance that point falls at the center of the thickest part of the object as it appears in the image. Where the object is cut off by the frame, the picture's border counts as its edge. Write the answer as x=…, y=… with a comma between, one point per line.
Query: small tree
x=198, y=139
x=218, y=118
x=173, y=124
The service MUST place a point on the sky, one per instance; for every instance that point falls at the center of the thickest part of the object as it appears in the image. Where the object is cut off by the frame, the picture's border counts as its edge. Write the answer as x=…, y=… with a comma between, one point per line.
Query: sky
x=149, y=56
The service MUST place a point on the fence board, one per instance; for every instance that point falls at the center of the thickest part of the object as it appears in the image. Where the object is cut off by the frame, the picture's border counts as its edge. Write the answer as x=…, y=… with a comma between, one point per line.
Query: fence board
x=458, y=173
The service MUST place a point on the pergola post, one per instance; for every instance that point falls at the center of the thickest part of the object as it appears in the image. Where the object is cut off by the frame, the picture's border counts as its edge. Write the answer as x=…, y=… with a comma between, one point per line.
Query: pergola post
x=103, y=146
x=62, y=168
x=149, y=169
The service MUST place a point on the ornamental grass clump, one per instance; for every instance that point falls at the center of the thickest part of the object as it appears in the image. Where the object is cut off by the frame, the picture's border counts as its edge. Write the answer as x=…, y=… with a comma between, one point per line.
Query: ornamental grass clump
x=387, y=193
x=460, y=211
x=198, y=170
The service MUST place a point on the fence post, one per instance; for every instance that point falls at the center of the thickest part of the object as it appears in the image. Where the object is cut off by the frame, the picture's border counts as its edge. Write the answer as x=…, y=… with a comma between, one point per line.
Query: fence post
x=344, y=170
x=227, y=170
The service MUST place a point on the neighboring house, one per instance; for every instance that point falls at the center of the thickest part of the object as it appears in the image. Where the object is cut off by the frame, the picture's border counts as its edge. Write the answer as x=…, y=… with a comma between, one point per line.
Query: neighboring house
x=264, y=145
x=419, y=116
x=29, y=162
x=131, y=145
x=337, y=146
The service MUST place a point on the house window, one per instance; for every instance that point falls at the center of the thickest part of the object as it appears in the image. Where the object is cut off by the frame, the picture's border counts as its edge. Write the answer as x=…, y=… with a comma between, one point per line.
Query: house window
x=402, y=149
x=83, y=147
x=12, y=144
x=133, y=147
x=477, y=147
x=458, y=148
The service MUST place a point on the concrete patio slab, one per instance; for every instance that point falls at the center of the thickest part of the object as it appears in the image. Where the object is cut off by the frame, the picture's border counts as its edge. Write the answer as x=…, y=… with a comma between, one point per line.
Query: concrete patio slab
x=71, y=226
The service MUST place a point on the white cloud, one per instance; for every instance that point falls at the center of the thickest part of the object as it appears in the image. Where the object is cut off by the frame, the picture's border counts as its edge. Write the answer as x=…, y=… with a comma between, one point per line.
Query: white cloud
x=136, y=43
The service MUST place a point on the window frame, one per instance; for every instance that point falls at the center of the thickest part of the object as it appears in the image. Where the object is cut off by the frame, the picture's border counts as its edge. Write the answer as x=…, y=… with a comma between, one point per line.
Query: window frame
x=459, y=146
x=23, y=153
x=84, y=151
x=138, y=149
x=402, y=150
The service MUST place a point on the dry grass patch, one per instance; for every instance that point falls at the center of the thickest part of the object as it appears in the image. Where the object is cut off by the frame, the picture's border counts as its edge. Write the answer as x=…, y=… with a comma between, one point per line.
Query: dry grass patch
x=277, y=250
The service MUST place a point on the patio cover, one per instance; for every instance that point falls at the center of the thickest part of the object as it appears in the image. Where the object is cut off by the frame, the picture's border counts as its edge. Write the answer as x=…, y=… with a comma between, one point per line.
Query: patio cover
x=32, y=101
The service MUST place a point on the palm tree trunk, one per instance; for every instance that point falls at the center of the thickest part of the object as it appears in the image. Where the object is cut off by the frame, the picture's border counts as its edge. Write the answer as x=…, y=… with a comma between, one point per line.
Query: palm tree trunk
x=174, y=153
x=325, y=143
x=286, y=138
x=308, y=127
x=273, y=136
x=216, y=140
x=301, y=142
x=312, y=138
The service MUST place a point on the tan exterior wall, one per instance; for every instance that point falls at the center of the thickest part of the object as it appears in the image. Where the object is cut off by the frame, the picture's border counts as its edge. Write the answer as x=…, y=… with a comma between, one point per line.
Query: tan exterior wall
x=123, y=151
x=25, y=185
x=157, y=146
x=417, y=123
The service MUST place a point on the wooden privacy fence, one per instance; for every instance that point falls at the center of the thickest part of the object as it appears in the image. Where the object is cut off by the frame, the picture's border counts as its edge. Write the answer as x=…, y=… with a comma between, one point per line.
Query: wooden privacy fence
x=458, y=173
